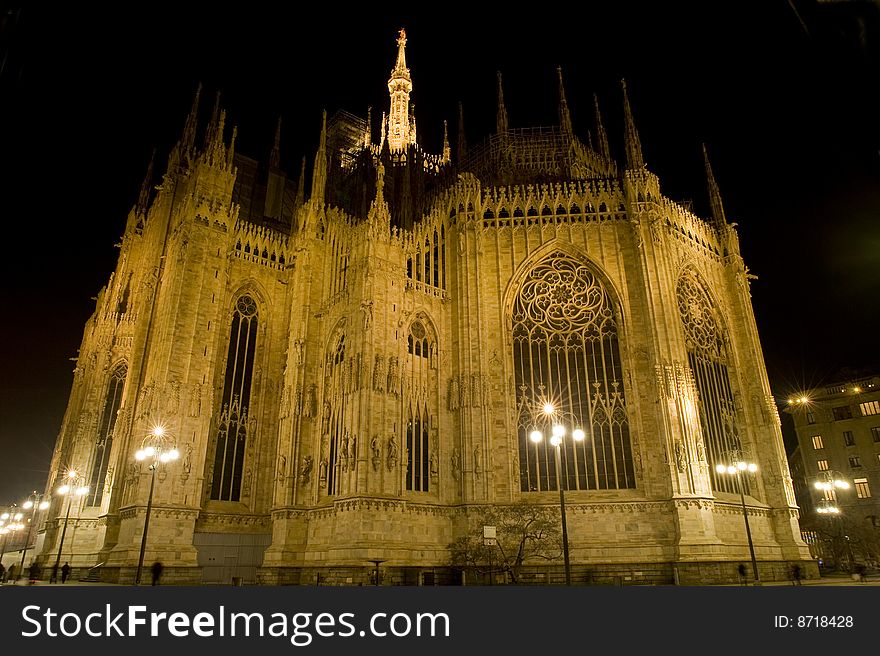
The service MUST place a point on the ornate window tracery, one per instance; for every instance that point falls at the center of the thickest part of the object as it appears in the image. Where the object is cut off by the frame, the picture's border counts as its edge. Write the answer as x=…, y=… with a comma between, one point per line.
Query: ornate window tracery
x=417, y=457
x=339, y=442
x=708, y=359
x=565, y=351
x=420, y=392
x=234, y=424
x=101, y=458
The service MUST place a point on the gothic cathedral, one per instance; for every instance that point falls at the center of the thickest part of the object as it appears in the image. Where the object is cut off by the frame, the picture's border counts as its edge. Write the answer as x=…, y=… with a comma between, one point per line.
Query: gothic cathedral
x=353, y=370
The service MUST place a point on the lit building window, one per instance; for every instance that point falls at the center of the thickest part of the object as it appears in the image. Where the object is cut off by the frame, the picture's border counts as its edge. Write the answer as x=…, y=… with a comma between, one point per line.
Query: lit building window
x=870, y=408
x=855, y=461
x=232, y=427
x=822, y=465
x=841, y=412
x=817, y=442
x=848, y=438
x=863, y=491
x=565, y=350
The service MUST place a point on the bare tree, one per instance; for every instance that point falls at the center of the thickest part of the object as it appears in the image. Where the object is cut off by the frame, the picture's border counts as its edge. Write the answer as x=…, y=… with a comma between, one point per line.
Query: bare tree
x=524, y=532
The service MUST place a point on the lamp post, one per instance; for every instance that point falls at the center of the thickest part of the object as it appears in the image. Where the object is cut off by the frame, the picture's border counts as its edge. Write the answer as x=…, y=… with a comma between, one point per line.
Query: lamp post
x=73, y=487
x=557, y=434
x=157, y=448
x=829, y=482
x=735, y=463
x=34, y=502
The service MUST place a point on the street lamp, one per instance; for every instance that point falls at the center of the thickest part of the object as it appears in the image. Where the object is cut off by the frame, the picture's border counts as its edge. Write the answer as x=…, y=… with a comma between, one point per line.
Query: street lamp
x=156, y=447
x=736, y=463
x=829, y=482
x=72, y=487
x=34, y=502
x=557, y=434
x=10, y=522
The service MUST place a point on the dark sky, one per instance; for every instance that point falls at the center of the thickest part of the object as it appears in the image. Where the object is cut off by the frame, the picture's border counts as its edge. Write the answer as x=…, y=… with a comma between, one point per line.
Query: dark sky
x=785, y=94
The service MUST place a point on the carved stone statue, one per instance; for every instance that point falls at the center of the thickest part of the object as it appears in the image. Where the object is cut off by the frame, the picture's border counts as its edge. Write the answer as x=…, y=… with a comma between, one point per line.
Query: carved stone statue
x=478, y=461
x=305, y=470
x=455, y=461
x=434, y=461
x=376, y=449
x=680, y=458
x=282, y=467
x=393, y=452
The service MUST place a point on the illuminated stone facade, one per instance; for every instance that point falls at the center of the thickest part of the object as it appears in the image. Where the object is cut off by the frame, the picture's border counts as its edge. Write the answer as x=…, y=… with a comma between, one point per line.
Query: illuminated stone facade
x=351, y=373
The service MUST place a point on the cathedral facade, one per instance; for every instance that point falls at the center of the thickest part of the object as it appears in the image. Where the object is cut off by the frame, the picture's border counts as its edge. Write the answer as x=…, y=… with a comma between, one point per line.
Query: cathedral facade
x=351, y=370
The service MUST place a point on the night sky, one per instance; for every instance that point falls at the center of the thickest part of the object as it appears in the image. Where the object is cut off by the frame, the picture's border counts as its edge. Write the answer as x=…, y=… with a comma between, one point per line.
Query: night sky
x=785, y=95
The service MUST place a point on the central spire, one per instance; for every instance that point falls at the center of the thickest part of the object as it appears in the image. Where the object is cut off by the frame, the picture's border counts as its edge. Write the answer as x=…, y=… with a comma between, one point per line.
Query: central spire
x=400, y=132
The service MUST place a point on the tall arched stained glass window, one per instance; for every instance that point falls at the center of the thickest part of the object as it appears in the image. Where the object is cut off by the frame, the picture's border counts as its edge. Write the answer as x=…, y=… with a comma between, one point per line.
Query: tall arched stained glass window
x=708, y=359
x=565, y=351
x=232, y=429
x=101, y=459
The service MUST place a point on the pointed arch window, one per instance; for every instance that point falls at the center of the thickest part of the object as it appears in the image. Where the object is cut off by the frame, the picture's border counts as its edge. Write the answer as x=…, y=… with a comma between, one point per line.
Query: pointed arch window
x=566, y=351
x=417, y=458
x=340, y=441
x=709, y=362
x=233, y=426
x=101, y=458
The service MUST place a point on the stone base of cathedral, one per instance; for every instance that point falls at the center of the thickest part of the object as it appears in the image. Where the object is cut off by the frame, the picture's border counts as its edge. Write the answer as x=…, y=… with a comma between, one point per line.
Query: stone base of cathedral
x=688, y=574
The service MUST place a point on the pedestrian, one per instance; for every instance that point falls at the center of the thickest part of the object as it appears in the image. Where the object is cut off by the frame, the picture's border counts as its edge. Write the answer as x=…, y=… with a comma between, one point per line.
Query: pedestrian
x=860, y=570
x=796, y=575
x=157, y=572
x=65, y=572
x=34, y=573
x=12, y=573
x=2, y=573
x=742, y=573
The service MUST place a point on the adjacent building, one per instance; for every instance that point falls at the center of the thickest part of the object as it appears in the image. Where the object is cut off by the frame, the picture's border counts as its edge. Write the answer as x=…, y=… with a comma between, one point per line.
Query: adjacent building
x=838, y=430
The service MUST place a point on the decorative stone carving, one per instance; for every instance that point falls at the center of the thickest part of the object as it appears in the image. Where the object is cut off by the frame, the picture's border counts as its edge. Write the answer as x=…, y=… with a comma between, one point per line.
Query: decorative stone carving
x=452, y=399
x=367, y=309
x=298, y=348
x=455, y=461
x=379, y=373
x=186, y=466
x=393, y=452
x=246, y=483
x=282, y=467
x=478, y=461
x=195, y=400
x=434, y=462
x=680, y=456
x=376, y=449
x=310, y=403
x=393, y=375
x=305, y=470
x=172, y=400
